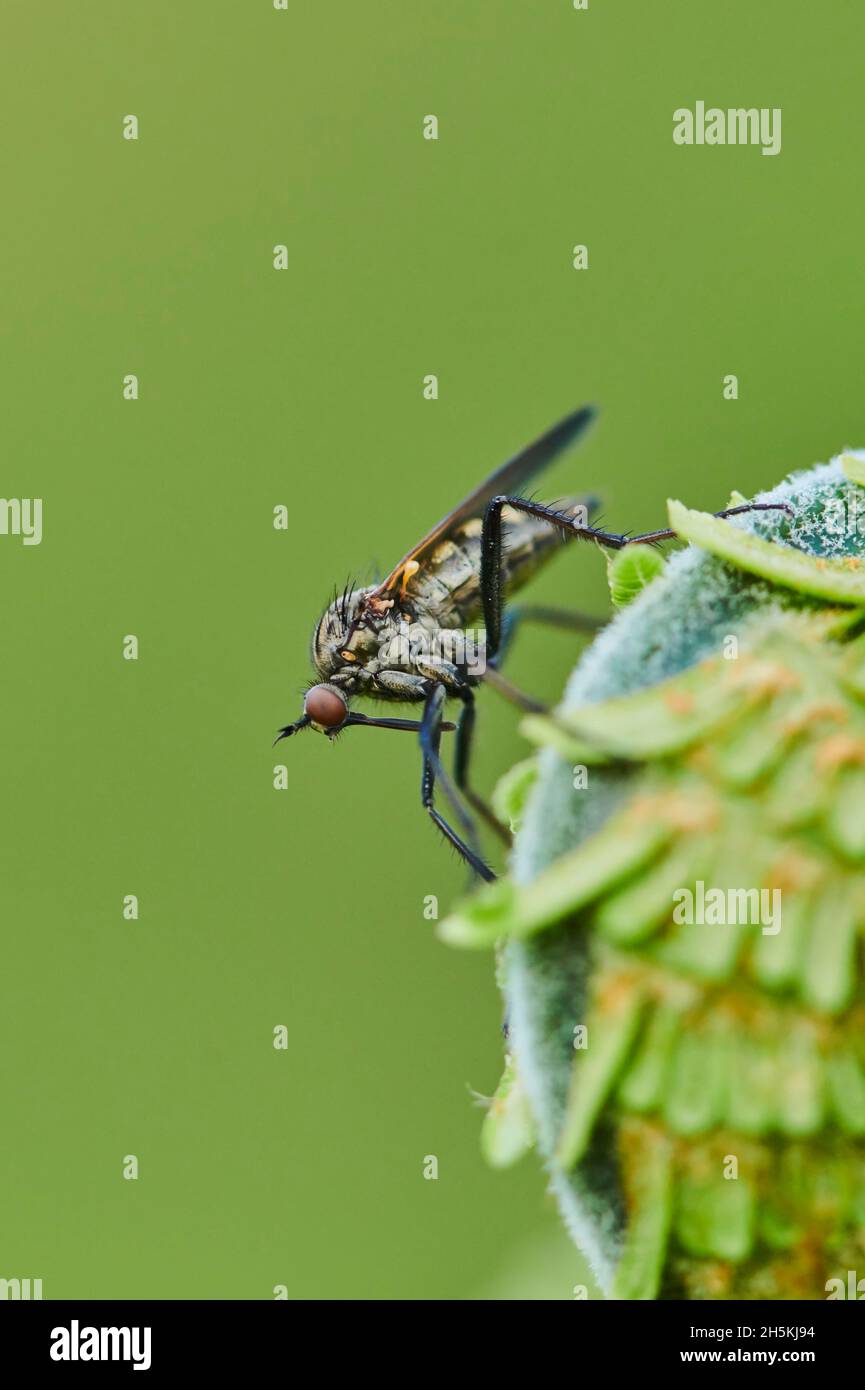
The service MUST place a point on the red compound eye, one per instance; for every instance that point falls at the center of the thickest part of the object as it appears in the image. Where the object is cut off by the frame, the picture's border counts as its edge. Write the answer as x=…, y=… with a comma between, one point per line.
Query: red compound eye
x=325, y=706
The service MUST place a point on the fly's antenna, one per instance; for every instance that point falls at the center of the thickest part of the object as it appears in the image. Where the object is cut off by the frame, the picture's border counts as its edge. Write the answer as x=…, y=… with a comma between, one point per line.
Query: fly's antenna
x=290, y=729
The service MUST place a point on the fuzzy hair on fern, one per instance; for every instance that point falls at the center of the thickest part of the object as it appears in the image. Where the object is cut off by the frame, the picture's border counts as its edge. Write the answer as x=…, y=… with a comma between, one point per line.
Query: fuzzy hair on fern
x=680, y=938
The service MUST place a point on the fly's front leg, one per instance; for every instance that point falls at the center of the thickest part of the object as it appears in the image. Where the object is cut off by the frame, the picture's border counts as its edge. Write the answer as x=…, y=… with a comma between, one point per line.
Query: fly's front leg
x=430, y=735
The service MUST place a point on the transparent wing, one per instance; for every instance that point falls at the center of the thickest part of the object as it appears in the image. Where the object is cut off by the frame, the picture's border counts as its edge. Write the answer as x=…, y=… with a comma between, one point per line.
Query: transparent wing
x=509, y=478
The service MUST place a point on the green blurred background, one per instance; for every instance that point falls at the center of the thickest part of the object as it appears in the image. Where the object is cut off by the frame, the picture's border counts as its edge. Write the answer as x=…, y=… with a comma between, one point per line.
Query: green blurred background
x=304, y=907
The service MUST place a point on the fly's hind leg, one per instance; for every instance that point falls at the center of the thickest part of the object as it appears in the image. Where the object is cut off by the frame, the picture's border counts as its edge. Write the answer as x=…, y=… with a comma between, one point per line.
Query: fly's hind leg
x=652, y=537
x=492, y=583
x=574, y=526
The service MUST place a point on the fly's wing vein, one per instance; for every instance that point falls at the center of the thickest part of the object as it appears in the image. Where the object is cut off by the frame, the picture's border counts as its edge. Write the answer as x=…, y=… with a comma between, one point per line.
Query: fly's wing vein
x=509, y=478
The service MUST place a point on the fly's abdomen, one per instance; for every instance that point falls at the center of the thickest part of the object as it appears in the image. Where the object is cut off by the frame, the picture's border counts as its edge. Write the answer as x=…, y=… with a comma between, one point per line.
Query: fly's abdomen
x=449, y=584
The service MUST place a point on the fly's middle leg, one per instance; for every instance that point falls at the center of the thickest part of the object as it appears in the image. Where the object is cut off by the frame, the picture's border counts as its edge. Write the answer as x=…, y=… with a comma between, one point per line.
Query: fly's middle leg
x=430, y=735
x=462, y=756
x=565, y=619
x=562, y=618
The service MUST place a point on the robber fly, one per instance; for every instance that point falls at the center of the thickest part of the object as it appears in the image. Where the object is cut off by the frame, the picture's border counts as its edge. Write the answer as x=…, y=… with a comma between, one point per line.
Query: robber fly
x=387, y=641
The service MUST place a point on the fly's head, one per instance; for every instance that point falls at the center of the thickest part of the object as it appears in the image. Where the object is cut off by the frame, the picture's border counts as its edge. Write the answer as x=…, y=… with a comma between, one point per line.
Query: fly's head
x=325, y=708
x=342, y=647
x=341, y=644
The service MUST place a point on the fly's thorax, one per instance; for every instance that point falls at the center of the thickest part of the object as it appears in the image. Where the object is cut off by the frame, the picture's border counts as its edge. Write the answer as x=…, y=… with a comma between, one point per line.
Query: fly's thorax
x=418, y=639
x=402, y=637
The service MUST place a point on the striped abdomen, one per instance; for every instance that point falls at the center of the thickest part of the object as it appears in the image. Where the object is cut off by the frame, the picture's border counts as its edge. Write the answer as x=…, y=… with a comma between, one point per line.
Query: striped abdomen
x=448, y=583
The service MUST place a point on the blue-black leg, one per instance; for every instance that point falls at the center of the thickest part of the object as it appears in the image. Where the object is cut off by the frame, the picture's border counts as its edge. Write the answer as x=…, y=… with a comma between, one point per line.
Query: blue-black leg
x=572, y=527
x=462, y=758
x=430, y=735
